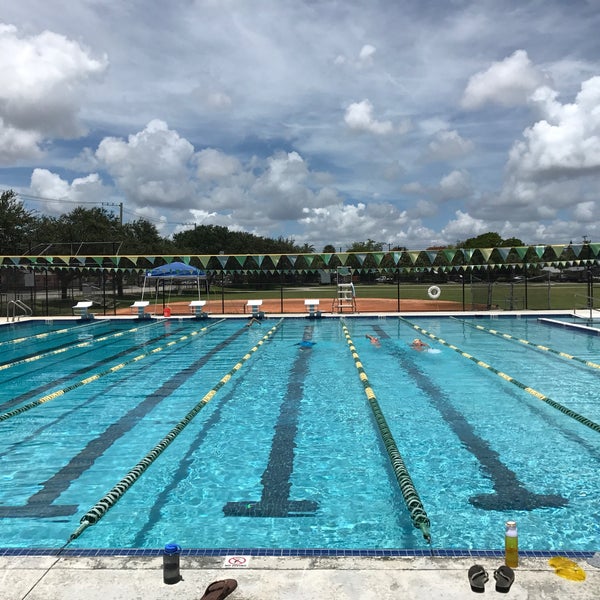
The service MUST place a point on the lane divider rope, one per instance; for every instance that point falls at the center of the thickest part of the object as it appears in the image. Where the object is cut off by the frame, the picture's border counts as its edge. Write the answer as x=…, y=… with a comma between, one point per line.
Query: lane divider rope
x=587, y=363
x=39, y=336
x=96, y=376
x=411, y=497
x=109, y=500
x=83, y=344
x=553, y=403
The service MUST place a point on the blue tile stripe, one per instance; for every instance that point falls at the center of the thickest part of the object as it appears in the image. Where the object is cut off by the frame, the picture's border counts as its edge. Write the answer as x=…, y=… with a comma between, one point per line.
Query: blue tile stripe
x=296, y=552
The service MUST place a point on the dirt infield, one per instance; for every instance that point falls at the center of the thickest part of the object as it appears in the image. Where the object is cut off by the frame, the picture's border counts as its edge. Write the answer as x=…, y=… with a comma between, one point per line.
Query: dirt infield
x=296, y=305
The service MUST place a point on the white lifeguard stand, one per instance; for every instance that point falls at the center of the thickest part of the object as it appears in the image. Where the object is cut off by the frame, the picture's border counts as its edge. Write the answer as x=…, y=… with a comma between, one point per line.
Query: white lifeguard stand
x=346, y=296
x=311, y=305
x=83, y=308
x=255, y=306
x=196, y=307
x=140, y=307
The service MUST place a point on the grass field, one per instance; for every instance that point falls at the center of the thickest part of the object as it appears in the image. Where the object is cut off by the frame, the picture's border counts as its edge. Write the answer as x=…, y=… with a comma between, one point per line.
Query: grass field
x=505, y=296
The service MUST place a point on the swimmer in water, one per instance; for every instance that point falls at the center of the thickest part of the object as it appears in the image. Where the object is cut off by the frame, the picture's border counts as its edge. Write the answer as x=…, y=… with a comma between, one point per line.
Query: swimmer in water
x=373, y=339
x=419, y=345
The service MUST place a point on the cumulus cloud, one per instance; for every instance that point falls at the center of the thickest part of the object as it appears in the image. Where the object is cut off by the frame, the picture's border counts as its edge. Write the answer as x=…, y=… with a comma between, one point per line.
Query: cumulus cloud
x=564, y=143
x=359, y=117
x=447, y=145
x=46, y=184
x=456, y=184
x=40, y=95
x=214, y=164
x=464, y=226
x=152, y=167
x=509, y=82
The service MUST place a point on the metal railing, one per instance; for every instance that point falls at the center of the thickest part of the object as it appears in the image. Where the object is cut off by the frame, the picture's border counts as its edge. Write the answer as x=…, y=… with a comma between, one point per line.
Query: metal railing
x=17, y=304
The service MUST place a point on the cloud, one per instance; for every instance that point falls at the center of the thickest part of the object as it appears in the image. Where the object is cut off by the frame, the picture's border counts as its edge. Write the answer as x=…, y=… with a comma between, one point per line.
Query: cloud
x=509, y=82
x=447, y=145
x=464, y=226
x=566, y=142
x=456, y=184
x=359, y=117
x=153, y=167
x=214, y=164
x=88, y=189
x=41, y=92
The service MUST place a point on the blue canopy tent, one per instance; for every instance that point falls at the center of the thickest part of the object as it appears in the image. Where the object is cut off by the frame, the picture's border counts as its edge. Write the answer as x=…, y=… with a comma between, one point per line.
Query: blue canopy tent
x=175, y=272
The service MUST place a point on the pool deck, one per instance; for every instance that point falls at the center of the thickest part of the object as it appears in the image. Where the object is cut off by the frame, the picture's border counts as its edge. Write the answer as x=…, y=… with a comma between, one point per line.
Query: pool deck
x=283, y=578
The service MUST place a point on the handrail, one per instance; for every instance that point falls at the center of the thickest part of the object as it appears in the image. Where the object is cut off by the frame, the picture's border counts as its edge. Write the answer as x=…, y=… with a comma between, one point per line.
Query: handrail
x=17, y=304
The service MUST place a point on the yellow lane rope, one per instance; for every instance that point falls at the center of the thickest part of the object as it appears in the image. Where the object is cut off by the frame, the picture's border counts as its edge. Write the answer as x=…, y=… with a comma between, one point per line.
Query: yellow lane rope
x=102, y=506
x=83, y=344
x=563, y=409
x=587, y=363
x=411, y=497
x=96, y=376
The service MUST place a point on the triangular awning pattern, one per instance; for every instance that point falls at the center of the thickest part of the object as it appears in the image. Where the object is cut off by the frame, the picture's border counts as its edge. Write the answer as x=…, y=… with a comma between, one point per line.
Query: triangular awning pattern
x=443, y=260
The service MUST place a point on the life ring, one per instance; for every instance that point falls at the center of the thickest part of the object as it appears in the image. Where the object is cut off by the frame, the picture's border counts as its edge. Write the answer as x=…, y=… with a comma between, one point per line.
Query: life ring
x=434, y=292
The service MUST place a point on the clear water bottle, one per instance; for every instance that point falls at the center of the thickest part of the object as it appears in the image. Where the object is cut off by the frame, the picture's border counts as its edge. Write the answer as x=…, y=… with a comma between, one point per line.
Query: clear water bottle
x=511, y=545
x=171, y=573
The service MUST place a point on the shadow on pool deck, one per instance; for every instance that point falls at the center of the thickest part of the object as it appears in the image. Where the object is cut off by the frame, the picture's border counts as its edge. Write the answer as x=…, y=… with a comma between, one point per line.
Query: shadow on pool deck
x=286, y=578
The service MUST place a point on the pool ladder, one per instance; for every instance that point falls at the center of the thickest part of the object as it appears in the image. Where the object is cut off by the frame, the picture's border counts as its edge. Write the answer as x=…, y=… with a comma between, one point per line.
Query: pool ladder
x=17, y=304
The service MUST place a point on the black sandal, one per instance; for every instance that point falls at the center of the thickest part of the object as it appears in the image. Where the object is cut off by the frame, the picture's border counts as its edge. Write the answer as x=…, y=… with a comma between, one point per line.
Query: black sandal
x=477, y=578
x=504, y=577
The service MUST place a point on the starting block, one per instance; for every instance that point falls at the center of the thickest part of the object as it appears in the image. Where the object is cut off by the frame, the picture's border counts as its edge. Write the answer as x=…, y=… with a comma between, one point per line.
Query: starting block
x=140, y=305
x=255, y=306
x=196, y=307
x=311, y=304
x=82, y=308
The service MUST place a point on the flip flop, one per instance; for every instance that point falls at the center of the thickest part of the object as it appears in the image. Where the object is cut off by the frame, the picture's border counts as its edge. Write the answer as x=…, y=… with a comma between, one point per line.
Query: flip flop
x=504, y=577
x=477, y=578
x=218, y=590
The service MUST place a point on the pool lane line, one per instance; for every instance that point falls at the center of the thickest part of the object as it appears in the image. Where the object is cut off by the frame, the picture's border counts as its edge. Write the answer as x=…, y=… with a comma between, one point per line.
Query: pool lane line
x=275, y=498
x=411, y=497
x=62, y=349
x=95, y=513
x=43, y=502
x=587, y=363
x=26, y=407
x=82, y=371
x=39, y=336
x=509, y=492
x=553, y=403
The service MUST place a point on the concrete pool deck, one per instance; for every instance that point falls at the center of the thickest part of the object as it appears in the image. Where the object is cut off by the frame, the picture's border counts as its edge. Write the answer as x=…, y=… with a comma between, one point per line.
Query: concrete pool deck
x=283, y=578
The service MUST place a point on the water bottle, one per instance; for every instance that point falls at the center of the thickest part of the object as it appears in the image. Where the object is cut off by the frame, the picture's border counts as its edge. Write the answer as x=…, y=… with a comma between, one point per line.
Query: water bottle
x=171, y=555
x=511, y=545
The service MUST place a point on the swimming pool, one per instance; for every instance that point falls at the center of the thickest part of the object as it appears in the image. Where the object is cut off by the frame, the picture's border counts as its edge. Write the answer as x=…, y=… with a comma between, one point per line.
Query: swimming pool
x=283, y=450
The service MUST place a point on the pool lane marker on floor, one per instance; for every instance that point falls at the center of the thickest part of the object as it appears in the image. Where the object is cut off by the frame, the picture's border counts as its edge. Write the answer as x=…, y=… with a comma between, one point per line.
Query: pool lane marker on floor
x=509, y=492
x=18, y=411
x=411, y=497
x=563, y=409
x=111, y=498
x=43, y=503
x=276, y=479
x=108, y=336
x=587, y=363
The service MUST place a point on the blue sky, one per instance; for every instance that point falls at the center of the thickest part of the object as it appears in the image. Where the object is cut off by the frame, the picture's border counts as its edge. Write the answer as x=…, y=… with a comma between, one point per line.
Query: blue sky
x=406, y=122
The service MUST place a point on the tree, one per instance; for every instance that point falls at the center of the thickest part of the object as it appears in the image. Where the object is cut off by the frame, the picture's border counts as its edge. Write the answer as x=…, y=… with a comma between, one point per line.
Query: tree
x=368, y=246
x=17, y=224
x=491, y=239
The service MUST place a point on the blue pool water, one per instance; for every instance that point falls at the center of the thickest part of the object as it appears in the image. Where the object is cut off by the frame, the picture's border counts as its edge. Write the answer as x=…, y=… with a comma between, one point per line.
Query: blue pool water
x=291, y=434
